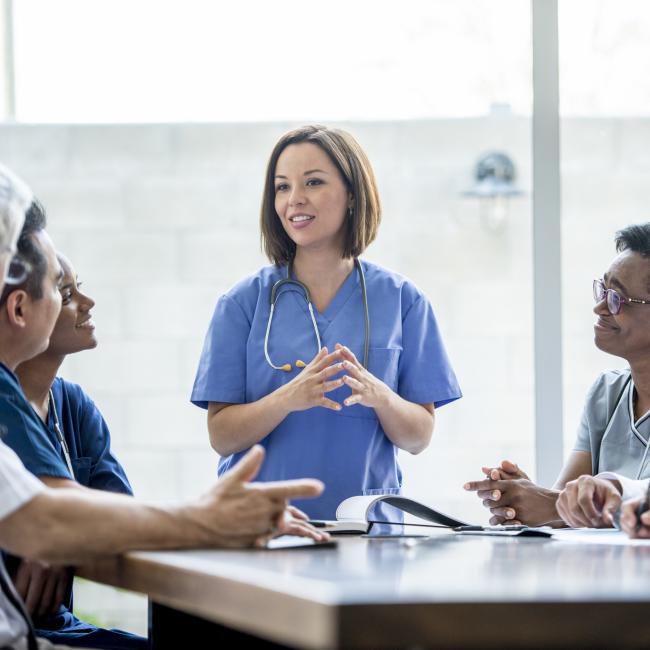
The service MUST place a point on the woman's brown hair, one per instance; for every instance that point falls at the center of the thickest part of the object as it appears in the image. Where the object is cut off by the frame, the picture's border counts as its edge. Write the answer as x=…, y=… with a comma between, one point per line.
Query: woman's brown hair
x=349, y=158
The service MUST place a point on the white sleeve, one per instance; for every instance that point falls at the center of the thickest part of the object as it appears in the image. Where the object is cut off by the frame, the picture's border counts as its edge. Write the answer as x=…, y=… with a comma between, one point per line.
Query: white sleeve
x=17, y=485
x=632, y=489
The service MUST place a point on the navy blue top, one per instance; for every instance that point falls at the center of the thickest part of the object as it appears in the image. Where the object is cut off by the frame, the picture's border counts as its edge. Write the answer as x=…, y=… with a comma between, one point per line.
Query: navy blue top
x=38, y=446
x=82, y=425
x=88, y=438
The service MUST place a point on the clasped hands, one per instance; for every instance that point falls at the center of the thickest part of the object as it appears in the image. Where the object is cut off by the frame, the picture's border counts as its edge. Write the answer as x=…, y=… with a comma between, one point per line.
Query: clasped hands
x=513, y=498
x=587, y=501
x=310, y=387
x=43, y=588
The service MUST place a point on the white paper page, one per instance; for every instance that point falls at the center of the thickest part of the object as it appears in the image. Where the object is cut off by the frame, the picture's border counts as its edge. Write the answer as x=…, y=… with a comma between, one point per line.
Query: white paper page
x=355, y=508
x=597, y=536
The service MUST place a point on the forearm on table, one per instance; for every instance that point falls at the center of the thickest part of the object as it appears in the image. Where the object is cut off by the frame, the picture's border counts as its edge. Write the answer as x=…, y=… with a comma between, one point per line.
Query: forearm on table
x=407, y=425
x=237, y=427
x=69, y=525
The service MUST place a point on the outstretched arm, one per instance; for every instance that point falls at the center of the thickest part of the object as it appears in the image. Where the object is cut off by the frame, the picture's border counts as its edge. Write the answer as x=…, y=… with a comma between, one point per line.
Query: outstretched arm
x=69, y=525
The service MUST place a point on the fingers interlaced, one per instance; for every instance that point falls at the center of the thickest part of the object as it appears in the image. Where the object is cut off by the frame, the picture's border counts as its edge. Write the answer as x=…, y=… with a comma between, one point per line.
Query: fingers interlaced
x=353, y=383
x=329, y=386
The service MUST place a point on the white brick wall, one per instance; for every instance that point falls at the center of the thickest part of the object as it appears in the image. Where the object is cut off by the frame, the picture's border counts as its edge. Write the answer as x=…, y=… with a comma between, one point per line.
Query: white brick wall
x=159, y=220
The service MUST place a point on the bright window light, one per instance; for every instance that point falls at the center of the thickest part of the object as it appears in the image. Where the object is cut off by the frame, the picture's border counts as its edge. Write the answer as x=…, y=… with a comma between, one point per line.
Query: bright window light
x=198, y=60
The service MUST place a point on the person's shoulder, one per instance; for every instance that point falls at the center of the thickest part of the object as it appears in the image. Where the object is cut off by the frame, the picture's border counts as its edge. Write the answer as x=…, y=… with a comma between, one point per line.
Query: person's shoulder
x=609, y=384
x=381, y=277
x=246, y=291
x=609, y=380
x=68, y=389
x=11, y=392
x=9, y=384
x=15, y=411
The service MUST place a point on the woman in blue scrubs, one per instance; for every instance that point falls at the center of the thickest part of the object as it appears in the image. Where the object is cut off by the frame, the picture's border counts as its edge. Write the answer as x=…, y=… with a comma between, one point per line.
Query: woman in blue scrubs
x=85, y=459
x=294, y=378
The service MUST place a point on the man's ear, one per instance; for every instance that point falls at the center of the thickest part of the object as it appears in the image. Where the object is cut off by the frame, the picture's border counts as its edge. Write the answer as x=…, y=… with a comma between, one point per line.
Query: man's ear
x=16, y=305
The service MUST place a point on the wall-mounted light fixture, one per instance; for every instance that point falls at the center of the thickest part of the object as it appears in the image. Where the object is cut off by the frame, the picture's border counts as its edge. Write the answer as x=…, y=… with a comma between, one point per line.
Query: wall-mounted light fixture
x=494, y=177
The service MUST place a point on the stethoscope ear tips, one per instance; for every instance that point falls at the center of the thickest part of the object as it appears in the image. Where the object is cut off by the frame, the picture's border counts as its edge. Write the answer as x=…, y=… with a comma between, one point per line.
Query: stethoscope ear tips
x=286, y=367
x=300, y=364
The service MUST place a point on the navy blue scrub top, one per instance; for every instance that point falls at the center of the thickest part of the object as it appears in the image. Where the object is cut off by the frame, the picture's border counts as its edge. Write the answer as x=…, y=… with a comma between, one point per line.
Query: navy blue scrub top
x=82, y=425
x=38, y=446
x=347, y=449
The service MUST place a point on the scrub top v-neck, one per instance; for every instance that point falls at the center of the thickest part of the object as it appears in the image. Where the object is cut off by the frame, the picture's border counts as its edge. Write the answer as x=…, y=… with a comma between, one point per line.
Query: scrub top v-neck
x=346, y=449
x=609, y=430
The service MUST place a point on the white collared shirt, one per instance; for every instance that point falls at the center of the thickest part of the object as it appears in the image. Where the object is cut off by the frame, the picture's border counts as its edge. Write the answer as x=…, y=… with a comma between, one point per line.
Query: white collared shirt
x=17, y=487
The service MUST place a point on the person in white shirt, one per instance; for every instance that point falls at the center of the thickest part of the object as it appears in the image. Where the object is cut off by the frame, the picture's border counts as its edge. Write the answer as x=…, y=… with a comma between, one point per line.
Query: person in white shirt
x=70, y=525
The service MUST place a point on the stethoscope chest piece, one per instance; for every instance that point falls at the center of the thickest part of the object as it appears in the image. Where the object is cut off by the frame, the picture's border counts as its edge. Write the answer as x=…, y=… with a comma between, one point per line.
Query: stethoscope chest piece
x=304, y=291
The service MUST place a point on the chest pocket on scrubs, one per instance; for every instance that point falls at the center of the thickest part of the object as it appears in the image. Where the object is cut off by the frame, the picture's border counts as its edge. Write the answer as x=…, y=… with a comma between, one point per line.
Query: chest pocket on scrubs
x=383, y=363
x=81, y=467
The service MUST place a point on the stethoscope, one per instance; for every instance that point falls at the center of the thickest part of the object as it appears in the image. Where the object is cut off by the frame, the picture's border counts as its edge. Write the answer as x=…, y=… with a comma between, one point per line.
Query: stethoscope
x=60, y=436
x=305, y=294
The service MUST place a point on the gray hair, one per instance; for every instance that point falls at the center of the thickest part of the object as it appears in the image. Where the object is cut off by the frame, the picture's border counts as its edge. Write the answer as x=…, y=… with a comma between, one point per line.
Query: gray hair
x=15, y=199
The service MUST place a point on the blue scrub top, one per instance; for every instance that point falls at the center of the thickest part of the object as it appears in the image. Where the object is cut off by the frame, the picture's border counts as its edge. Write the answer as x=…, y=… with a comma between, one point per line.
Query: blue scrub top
x=347, y=449
x=38, y=446
x=82, y=425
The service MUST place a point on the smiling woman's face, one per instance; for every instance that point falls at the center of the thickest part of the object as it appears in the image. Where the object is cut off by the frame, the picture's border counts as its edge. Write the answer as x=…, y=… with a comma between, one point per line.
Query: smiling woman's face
x=74, y=330
x=311, y=198
x=627, y=334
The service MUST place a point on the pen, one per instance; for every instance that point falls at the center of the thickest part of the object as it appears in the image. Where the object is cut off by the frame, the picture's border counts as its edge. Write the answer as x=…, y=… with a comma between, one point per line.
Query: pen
x=470, y=529
x=643, y=506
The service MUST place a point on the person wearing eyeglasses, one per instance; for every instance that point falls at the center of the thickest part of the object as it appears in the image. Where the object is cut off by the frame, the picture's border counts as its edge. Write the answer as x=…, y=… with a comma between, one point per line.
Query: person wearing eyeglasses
x=331, y=362
x=74, y=445
x=70, y=525
x=611, y=446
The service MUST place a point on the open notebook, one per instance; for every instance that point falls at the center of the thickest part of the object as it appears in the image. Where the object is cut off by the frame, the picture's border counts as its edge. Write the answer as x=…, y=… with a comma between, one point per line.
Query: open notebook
x=353, y=514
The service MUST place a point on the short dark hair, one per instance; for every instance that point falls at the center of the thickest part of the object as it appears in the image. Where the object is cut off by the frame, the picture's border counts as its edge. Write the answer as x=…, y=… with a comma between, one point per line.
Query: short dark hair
x=355, y=169
x=28, y=249
x=635, y=238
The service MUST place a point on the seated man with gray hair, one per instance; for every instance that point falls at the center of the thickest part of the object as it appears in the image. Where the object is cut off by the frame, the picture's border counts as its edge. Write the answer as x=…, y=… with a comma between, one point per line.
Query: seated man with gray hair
x=67, y=525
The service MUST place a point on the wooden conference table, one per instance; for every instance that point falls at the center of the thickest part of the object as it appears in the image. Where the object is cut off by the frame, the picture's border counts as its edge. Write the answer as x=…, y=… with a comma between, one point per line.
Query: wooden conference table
x=449, y=591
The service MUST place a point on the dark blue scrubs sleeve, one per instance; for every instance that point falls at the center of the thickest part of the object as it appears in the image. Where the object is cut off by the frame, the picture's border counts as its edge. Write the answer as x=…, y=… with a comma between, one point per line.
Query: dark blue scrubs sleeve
x=39, y=451
x=106, y=472
x=89, y=440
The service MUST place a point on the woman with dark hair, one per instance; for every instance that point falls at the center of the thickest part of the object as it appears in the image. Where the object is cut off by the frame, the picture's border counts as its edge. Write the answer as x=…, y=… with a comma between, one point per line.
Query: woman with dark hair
x=612, y=452
x=73, y=449
x=332, y=363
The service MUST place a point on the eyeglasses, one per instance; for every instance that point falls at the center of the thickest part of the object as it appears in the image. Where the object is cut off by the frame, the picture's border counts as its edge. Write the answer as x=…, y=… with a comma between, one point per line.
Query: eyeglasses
x=19, y=269
x=615, y=300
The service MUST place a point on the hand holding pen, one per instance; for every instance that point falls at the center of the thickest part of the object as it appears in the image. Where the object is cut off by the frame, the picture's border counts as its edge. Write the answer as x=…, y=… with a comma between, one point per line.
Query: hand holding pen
x=635, y=516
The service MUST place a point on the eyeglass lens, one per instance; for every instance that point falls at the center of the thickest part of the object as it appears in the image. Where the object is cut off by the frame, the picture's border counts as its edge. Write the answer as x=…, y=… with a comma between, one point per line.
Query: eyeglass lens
x=613, y=297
